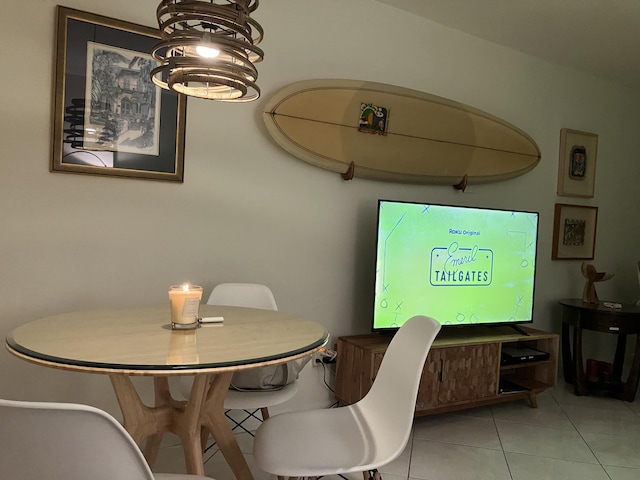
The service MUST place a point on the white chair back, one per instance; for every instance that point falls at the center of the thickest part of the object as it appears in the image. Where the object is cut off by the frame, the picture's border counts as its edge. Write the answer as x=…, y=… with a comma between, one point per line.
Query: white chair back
x=252, y=295
x=57, y=441
x=390, y=403
x=359, y=437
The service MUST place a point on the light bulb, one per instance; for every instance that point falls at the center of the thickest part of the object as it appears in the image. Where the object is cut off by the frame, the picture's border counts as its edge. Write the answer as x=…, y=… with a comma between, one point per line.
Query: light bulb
x=207, y=52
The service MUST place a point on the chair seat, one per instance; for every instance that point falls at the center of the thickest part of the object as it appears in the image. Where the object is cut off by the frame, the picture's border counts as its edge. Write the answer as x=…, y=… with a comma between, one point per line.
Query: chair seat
x=342, y=442
x=253, y=399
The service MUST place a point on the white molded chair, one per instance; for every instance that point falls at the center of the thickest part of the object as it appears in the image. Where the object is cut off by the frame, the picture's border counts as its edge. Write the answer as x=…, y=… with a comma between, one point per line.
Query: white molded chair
x=360, y=437
x=64, y=441
x=252, y=295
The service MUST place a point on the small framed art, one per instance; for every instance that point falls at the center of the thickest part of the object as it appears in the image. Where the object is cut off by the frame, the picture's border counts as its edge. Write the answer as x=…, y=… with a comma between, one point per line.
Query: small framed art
x=109, y=118
x=577, y=164
x=574, y=232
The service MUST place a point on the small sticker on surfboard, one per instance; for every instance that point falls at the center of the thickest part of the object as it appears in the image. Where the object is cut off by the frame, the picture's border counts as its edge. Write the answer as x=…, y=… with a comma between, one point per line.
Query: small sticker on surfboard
x=373, y=119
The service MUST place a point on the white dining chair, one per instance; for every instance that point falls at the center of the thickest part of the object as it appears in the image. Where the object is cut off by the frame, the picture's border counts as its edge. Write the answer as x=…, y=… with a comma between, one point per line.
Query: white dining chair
x=359, y=437
x=66, y=441
x=252, y=295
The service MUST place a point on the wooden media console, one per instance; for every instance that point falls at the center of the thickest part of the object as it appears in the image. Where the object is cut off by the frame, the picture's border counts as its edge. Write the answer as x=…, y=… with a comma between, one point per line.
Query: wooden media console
x=463, y=369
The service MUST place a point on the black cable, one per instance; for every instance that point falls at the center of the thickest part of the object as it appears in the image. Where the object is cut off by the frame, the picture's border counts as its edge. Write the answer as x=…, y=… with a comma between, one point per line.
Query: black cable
x=324, y=377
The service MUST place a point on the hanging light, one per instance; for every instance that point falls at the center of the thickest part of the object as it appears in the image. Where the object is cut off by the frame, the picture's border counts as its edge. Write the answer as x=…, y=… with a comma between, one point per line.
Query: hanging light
x=208, y=49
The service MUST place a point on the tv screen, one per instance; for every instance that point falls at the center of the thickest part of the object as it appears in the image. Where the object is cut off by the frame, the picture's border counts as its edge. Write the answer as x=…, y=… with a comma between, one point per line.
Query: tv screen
x=459, y=265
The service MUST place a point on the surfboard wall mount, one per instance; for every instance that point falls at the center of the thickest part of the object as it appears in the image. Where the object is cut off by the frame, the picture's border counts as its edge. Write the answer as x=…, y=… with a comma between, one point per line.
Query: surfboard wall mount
x=349, y=174
x=389, y=133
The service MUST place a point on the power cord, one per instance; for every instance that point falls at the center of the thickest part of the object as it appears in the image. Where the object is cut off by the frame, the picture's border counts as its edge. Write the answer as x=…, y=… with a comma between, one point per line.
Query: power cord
x=324, y=377
x=328, y=356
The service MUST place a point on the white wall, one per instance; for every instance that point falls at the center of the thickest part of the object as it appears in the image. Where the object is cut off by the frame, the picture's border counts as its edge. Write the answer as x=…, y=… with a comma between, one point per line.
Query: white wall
x=248, y=211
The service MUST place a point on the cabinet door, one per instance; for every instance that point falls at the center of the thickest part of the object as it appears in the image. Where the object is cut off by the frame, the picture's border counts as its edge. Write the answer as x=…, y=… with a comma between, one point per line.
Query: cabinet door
x=355, y=371
x=429, y=382
x=469, y=372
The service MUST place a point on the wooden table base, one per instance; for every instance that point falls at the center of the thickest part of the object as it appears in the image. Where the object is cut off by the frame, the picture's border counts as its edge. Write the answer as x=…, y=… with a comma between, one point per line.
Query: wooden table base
x=191, y=421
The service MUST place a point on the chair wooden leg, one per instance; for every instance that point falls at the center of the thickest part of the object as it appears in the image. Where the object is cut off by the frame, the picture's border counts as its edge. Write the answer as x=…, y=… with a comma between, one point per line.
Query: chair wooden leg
x=265, y=413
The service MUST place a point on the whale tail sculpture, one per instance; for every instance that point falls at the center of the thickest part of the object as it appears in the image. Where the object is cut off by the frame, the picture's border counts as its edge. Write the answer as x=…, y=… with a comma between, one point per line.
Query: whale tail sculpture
x=589, y=272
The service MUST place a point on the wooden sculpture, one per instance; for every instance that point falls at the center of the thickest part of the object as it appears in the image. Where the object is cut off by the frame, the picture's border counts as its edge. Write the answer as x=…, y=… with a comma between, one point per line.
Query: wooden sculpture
x=589, y=272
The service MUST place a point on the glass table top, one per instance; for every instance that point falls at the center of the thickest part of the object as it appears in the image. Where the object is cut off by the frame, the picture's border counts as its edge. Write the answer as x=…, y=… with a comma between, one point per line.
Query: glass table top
x=141, y=341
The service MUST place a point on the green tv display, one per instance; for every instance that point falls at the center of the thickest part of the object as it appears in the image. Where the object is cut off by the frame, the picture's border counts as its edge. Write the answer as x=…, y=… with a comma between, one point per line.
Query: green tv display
x=458, y=265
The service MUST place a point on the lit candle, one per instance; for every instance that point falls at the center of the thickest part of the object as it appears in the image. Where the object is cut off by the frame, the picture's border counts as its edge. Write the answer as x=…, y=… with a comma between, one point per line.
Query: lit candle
x=185, y=302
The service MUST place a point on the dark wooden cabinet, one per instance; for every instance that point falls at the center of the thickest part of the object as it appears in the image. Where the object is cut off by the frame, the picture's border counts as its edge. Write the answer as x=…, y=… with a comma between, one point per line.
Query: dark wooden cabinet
x=463, y=368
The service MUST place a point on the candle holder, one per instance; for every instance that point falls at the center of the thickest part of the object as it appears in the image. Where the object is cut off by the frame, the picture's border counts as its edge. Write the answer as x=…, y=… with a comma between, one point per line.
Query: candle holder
x=185, y=302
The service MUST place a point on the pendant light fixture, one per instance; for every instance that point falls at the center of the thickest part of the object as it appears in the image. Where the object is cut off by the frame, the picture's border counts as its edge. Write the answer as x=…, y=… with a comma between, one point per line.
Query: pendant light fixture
x=208, y=49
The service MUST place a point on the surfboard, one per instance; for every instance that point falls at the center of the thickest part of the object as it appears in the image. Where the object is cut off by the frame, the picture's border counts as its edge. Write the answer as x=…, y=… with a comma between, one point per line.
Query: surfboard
x=390, y=133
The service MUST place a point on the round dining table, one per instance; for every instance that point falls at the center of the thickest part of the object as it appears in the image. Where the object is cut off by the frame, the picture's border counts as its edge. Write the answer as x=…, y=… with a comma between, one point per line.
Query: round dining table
x=140, y=341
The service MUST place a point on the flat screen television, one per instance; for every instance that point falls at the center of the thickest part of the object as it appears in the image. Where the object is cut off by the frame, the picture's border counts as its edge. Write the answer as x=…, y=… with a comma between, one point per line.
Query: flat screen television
x=460, y=265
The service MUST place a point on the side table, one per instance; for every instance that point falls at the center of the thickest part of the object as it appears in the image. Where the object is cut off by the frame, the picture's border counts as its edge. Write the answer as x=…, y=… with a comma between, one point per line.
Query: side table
x=620, y=321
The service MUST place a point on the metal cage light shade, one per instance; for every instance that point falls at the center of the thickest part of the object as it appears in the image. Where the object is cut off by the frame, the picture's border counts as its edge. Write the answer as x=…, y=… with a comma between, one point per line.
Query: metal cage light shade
x=225, y=71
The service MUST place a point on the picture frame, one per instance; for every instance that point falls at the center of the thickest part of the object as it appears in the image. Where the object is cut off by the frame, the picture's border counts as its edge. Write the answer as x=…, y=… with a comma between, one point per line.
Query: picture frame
x=109, y=118
x=577, y=163
x=574, y=232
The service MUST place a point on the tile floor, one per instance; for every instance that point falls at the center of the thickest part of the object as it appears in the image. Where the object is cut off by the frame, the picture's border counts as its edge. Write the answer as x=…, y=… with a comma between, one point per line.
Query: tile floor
x=566, y=437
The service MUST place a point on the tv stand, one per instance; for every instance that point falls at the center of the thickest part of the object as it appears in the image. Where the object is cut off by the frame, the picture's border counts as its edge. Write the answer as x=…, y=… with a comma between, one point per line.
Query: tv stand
x=463, y=368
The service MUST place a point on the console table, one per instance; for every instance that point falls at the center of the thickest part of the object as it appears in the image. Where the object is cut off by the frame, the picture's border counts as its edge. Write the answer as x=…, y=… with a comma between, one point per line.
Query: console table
x=463, y=368
x=620, y=321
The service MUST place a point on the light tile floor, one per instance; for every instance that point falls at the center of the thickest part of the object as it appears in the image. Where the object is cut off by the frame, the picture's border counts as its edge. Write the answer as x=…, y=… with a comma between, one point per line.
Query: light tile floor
x=566, y=437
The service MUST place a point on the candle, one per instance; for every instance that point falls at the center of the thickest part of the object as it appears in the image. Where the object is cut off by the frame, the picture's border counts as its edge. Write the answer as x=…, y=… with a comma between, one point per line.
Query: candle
x=185, y=302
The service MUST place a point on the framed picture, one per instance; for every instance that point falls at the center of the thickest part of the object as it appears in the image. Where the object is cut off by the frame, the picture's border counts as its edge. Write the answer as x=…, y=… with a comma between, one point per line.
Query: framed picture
x=577, y=165
x=109, y=117
x=574, y=232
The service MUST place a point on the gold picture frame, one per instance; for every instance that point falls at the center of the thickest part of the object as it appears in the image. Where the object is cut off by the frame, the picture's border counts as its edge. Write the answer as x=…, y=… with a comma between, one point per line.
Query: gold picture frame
x=577, y=164
x=574, y=232
x=109, y=118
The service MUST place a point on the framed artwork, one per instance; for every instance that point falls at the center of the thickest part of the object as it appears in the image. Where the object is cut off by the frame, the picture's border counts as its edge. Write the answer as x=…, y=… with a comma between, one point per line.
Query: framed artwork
x=577, y=165
x=574, y=232
x=109, y=117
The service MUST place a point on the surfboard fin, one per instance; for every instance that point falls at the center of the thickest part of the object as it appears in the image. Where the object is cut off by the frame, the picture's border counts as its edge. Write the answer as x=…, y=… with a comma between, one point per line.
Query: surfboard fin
x=348, y=175
x=463, y=184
